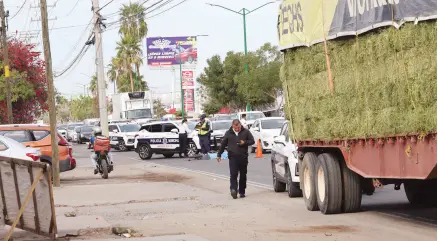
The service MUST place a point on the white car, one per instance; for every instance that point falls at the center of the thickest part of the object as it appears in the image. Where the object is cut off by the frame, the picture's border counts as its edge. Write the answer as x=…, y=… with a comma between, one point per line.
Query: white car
x=13, y=149
x=162, y=138
x=264, y=130
x=122, y=135
x=63, y=132
x=251, y=116
x=284, y=163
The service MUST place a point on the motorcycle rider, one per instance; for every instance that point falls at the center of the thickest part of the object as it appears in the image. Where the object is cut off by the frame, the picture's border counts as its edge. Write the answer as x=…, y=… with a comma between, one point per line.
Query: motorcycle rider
x=97, y=132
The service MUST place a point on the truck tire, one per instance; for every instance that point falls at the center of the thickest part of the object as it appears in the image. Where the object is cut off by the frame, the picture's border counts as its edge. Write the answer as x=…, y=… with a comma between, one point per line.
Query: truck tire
x=352, y=191
x=308, y=179
x=328, y=184
x=293, y=188
x=145, y=151
x=421, y=192
x=278, y=186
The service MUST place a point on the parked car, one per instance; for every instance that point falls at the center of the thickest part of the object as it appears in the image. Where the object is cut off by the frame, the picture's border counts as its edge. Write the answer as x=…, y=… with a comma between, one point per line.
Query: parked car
x=13, y=149
x=122, y=136
x=63, y=132
x=165, y=130
x=71, y=131
x=284, y=161
x=38, y=136
x=219, y=128
x=251, y=116
x=264, y=130
x=84, y=134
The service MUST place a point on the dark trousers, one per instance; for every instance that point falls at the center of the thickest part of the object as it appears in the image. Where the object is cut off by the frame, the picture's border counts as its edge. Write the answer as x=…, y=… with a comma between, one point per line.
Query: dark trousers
x=238, y=167
x=204, y=141
x=183, y=143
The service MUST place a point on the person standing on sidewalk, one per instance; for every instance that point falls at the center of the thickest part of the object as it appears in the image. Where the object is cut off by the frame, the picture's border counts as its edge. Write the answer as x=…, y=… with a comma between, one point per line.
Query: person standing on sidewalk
x=237, y=138
x=183, y=132
x=203, y=128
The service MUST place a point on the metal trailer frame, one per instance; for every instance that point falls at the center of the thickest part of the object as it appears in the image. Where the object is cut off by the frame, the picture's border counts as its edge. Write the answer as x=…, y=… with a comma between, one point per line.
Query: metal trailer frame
x=411, y=156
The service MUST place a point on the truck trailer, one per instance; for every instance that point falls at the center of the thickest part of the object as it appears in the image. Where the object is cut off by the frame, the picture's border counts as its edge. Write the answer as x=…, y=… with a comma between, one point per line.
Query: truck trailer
x=361, y=99
x=132, y=106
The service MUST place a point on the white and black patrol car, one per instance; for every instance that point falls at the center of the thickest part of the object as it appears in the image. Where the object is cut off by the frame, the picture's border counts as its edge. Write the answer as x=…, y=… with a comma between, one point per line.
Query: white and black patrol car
x=161, y=138
x=122, y=135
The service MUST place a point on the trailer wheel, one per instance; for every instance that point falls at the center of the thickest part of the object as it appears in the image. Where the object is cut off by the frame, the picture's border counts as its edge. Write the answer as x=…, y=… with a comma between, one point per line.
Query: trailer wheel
x=308, y=180
x=352, y=191
x=421, y=192
x=328, y=184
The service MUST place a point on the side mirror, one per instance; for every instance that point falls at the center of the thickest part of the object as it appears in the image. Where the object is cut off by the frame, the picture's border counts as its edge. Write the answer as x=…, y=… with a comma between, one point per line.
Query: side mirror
x=256, y=129
x=280, y=140
x=174, y=130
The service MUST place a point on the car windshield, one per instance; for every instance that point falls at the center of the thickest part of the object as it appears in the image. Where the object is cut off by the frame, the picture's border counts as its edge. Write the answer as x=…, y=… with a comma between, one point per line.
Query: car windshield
x=223, y=125
x=141, y=113
x=224, y=117
x=87, y=129
x=191, y=125
x=254, y=116
x=272, y=124
x=130, y=128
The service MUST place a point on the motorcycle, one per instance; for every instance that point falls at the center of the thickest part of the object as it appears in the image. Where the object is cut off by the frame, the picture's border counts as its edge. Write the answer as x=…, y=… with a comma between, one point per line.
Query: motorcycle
x=101, y=148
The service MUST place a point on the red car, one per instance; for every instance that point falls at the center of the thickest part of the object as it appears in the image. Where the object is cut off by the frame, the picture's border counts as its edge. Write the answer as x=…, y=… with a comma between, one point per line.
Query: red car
x=189, y=55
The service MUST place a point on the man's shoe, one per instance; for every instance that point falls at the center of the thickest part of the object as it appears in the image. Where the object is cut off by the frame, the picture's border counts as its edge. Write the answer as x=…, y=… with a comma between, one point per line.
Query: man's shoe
x=95, y=171
x=242, y=195
x=180, y=156
x=234, y=194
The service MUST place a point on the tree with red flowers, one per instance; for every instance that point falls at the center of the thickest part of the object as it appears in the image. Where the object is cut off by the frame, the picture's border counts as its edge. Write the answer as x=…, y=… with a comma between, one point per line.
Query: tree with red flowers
x=29, y=84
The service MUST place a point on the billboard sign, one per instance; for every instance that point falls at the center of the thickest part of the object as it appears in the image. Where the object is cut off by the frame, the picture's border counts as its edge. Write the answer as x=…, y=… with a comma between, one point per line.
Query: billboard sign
x=189, y=100
x=187, y=79
x=170, y=51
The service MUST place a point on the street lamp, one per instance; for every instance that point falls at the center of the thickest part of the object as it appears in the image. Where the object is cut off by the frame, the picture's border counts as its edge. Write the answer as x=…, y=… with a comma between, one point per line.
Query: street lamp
x=243, y=12
x=82, y=85
x=181, y=77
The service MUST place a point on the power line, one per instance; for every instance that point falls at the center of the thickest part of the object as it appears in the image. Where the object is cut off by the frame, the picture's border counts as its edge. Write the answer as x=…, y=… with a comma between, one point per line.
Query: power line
x=183, y=1
x=68, y=14
x=63, y=27
x=19, y=10
x=104, y=5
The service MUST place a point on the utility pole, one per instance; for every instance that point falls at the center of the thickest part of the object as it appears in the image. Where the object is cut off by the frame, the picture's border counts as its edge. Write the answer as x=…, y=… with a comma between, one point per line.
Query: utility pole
x=243, y=12
x=101, y=87
x=6, y=62
x=52, y=106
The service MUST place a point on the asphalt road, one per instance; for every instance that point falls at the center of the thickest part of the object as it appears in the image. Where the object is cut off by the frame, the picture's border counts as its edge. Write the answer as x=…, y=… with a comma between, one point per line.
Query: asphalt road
x=385, y=200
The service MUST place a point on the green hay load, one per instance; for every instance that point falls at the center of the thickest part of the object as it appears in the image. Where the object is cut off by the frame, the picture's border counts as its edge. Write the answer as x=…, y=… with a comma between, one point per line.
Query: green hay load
x=385, y=84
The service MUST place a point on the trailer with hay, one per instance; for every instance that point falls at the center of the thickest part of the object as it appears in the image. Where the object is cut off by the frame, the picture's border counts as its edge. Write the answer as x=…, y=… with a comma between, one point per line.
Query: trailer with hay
x=361, y=96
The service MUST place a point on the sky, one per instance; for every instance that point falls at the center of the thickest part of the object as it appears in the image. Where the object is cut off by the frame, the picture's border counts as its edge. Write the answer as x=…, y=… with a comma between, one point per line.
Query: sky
x=68, y=21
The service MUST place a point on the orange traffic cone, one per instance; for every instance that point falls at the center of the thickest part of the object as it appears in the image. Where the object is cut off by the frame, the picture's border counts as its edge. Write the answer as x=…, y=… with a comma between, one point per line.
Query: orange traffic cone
x=259, y=151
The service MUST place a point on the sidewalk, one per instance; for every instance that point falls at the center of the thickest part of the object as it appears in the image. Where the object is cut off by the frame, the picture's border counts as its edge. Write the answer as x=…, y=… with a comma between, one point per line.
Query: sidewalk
x=163, y=204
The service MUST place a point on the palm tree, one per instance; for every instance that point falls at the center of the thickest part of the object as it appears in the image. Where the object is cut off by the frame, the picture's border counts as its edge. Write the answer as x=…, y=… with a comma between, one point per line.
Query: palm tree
x=93, y=85
x=133, y=21
x=115, y=70
x=129, y=52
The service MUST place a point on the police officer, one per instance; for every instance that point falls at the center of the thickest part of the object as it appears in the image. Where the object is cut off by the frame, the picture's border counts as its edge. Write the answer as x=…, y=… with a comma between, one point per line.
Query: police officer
x=203, y=128
x=237, y=138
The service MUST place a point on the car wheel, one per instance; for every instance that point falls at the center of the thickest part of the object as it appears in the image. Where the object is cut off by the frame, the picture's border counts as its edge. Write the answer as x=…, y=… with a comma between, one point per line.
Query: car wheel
x=192, y=149
x=293, y=188
x=145, y=151
x=121, y=146
x=278, y=186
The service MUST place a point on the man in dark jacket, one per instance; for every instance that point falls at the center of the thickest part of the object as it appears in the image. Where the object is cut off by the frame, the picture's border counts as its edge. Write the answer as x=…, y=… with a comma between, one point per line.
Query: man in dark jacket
x=237, y=139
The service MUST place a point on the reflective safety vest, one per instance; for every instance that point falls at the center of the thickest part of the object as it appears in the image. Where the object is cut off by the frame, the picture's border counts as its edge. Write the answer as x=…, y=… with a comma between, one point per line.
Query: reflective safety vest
x=201, y=131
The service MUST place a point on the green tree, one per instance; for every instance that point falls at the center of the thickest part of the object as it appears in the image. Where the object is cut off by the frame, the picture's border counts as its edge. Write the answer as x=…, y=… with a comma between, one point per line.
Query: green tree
x=133, y=21
x=130, y=53
x=227, y=84
x=158, y=108
x=82, y=108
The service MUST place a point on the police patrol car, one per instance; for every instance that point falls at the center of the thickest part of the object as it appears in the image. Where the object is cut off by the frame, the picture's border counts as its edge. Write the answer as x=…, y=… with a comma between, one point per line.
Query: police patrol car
x=161, y=138
x=122, y=135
